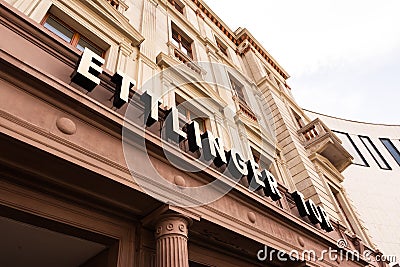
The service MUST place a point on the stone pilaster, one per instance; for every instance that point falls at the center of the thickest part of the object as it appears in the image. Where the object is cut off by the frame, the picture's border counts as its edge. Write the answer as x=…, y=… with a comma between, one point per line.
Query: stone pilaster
x=124, y=60
x=172, y=235
x=25, y=6
x=149, y=29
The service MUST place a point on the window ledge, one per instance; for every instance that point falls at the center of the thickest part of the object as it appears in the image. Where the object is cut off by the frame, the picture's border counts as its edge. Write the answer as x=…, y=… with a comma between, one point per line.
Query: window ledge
x=187, y=61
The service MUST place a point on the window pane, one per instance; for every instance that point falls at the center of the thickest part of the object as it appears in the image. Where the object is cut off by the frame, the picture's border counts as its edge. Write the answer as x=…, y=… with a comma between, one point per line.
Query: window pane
x=82, y=43
x=59, y=29
x=184, y=50
x=392, y=149
x=375, y=153
x=175, y=36
x=188, y=48
x=189, y=54
x=176, y=43
x=184, y=44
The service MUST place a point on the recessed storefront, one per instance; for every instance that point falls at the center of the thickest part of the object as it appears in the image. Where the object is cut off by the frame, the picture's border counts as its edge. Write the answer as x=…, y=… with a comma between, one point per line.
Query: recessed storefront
x=24, y=244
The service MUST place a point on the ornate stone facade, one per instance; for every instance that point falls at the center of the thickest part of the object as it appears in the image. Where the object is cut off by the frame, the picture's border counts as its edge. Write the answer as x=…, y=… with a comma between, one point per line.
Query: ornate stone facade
x=65, y=176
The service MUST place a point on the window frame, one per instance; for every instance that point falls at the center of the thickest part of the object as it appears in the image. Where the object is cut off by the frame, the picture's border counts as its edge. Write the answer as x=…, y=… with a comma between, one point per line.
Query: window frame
x=187, y=117
x=362, y=137
x=339, y=205
x=76, y=37
x=355, y=148
x=299, y=121
x=182, y=39
x=240, y=93
x=393, y=147
x=278, y=83
x=222, y=46
x=258, y=158
x=267, y=71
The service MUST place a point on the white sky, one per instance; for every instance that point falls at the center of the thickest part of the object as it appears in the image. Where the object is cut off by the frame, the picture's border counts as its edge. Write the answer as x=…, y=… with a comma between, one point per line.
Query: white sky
x=343, y=56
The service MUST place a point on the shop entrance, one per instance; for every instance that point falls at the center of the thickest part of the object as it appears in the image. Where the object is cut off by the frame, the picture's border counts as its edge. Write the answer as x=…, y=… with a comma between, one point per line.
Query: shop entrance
x=49, y=244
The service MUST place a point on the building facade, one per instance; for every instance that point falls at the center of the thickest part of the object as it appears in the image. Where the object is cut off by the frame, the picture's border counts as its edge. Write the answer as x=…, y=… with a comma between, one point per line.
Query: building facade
x=374, y=173
x=90, y=180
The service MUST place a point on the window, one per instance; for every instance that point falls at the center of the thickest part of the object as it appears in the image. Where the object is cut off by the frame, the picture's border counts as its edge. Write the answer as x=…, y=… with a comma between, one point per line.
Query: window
x=336, y=196
x=222, y=47
x=392, y=149
x=375, y=153
x=182, y=42
x=187, y=116
x=177, y=5
x=350, y=146
x=256, y=155
x=237, y=87
x=69, y=35
x=299, y=119
x=260, y=160
x=267, y=71
x=278, y=83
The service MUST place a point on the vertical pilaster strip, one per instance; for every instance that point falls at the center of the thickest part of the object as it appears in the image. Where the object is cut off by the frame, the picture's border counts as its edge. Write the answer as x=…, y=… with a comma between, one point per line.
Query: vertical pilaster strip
x=149, y=29
x=25, y=6
x=124, y=52
x=40, y=11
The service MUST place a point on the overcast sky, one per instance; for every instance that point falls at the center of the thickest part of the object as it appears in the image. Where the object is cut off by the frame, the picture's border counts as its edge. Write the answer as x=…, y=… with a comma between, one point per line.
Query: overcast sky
x=343, y=56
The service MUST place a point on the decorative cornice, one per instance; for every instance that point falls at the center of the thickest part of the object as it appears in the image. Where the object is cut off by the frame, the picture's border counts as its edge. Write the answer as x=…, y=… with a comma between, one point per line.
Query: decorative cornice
x=114, y=17
x=198, y=13
x=238, y=38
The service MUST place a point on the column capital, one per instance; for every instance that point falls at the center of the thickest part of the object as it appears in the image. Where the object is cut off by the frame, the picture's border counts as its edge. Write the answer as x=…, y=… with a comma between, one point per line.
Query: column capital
x=172, y=224
x=171, y=237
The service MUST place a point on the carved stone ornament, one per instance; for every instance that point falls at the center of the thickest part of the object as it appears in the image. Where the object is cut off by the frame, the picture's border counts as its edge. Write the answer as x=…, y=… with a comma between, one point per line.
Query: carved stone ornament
x=179, y=181
x=301, y=241
x=66, y=126
x=251, y=216
x=172, y=225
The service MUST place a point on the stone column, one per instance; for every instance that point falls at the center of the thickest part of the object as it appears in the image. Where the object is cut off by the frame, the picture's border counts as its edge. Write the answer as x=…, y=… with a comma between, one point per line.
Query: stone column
x=172, y=236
